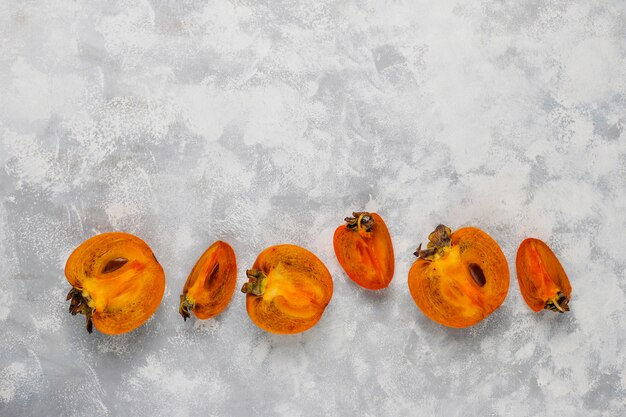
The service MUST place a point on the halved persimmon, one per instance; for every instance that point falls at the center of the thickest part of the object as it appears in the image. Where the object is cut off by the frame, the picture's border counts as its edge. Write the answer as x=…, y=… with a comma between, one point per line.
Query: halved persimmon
x=542, y=280
x=363, y=248
x=117, y=283
x=211, y=284
x=288, y=289
x=460, y=278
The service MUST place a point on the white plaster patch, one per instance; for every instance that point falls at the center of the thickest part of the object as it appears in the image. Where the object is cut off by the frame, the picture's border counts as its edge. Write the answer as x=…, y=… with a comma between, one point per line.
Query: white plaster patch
x=592, y=71
x=12, y=376
x=28, y=97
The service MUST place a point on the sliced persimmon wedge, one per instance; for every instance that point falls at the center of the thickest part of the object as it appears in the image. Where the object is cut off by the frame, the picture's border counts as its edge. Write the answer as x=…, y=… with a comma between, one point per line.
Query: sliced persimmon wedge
x=542, y=280
x=211, y=284
x=364, y=250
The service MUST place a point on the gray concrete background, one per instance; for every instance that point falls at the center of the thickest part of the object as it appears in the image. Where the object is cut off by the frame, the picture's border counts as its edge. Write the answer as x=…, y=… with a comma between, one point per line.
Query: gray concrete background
x=263, y=122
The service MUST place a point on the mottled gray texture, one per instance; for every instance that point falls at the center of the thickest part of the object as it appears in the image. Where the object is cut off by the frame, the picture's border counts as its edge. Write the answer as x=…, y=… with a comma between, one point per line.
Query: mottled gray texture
x=265, y=122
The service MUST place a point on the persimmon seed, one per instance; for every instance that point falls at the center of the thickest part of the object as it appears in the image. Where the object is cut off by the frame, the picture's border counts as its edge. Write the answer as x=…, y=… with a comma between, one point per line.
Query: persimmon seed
x=114, y=265
x=477, y=274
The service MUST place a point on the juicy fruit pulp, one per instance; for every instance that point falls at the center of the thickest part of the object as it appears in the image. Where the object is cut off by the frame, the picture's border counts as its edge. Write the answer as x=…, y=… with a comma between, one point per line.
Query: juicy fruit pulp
x=211, y=284
x=542, y=280
x=288, y=289
x=460, y=278
x=117, y=283
x=363, y=248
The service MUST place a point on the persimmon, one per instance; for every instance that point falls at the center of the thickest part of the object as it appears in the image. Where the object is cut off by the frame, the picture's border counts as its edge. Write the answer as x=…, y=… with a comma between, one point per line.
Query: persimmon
x=211, y=284
x=460, y=278
x=542, y=280
x=363, y=248
x=288, y=289
x=117, y=282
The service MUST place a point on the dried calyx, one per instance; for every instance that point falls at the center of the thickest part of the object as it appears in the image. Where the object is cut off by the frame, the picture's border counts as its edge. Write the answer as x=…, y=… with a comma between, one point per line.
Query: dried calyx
x=439, y=241
x=80, y=303
x=360, y=221
x=257, y=283
x=558, y=304
x=185, y=307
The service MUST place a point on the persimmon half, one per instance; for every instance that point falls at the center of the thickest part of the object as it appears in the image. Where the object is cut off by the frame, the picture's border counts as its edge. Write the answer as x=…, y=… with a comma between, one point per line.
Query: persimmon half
x=117, y=282
x=288, y=289
x=542, y=280
x=460, y=278
x=363, y=248
x=211, y=284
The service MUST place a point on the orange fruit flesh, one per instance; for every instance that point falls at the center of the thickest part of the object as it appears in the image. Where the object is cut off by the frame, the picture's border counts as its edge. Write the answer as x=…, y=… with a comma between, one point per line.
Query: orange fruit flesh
x=292, y=292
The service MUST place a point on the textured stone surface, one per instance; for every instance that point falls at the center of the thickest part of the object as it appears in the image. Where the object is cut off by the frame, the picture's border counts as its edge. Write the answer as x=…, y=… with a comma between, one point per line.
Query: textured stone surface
x=265, y=122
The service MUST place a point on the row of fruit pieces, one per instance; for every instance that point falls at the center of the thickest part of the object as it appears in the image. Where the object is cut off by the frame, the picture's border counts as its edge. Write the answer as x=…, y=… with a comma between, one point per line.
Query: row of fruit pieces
x=457, y=280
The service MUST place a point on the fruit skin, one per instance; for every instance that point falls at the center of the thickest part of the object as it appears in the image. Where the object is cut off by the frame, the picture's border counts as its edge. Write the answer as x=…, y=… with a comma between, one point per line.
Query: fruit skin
x=445, y=281
x=542, y=280
x=288, y=289
x=123, y=298
x=364, y=249
x=211, y=284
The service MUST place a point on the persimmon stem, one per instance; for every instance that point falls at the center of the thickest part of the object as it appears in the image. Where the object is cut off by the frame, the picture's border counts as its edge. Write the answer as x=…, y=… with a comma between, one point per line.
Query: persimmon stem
x=257, y=283
x=80, y=303
x=360, y=220
x=558, y=304
x=438, y=242
x=185, y=307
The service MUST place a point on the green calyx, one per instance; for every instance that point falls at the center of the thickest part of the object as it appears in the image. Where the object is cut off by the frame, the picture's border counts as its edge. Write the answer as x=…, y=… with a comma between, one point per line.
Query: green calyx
x=257, y=283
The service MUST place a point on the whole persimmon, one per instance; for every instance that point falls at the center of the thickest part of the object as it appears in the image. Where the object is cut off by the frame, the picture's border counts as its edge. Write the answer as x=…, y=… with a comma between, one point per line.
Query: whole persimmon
x=460, y=278
x=542, y=280
x=288, y=289
x=211, y=284
x=117, y=283
x=363, y=248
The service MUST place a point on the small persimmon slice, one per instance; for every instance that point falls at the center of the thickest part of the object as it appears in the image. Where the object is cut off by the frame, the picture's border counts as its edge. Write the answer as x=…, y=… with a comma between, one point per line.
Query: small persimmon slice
x=288, y=289
x=363, y=248
x=542, y=280
x=211, y=284
x=460, y=278
x=117, y=283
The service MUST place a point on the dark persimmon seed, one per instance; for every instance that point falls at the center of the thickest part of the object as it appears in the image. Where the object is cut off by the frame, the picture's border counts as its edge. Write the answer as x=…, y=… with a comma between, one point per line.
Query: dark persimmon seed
x=114, y=265
x=477, y=274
